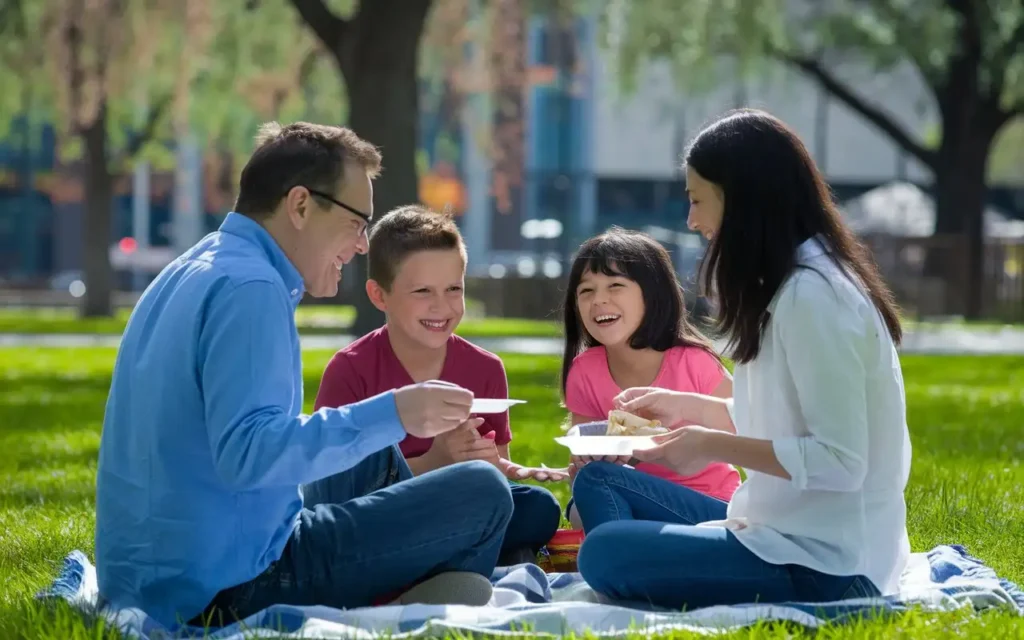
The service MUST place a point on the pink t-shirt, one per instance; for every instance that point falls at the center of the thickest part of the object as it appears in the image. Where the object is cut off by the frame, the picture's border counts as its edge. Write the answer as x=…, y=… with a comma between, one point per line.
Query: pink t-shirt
x=590, y=392
x=369, y=366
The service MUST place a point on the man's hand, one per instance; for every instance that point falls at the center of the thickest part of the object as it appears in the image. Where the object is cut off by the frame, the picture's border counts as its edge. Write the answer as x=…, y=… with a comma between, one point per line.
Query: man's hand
x=431, y=408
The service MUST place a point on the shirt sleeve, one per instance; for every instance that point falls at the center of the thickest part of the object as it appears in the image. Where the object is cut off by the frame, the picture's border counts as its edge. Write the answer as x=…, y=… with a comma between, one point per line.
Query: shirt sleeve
x=497, y=387
x=578, y=394
x=823, y=340
x=340, y=385
x=247, y=369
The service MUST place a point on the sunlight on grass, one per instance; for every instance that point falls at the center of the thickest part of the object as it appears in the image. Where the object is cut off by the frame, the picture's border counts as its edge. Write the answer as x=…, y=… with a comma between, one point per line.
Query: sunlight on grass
x=967, y=484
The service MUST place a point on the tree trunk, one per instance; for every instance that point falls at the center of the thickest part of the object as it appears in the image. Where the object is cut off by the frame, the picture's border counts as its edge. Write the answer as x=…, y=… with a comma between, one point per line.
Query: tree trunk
x=508, y=68
x=99, y=189
x=380, y=73
x=971, y=116
x=960, y=198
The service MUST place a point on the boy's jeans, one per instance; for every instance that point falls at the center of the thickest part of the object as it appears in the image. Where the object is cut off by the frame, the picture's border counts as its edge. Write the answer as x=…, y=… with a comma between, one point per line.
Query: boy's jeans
x=371, y=532
x=641, y=546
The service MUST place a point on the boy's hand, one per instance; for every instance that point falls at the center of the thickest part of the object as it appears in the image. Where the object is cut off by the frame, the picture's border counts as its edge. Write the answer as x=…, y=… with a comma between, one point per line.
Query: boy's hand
x=461, y=444
x=431, y=408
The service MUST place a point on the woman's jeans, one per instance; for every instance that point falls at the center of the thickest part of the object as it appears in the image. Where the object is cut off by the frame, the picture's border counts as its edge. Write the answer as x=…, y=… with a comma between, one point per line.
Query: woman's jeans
x=642, y=546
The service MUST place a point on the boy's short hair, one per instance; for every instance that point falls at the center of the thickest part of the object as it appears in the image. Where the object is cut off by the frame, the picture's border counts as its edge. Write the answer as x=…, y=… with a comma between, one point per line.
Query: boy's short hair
x=407, y=230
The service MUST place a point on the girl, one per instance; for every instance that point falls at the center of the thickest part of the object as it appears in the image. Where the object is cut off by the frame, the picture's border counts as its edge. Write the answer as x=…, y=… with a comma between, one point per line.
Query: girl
x=819, y=421
x=625, y=326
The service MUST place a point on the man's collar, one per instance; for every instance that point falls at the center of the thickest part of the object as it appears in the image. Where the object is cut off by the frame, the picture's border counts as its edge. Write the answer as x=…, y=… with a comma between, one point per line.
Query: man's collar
x=244, y=227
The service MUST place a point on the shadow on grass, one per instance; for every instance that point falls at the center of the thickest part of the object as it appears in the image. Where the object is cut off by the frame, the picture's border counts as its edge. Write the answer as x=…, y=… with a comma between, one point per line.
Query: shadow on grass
x=71, y=494
x=57, y=461
x=31, y=404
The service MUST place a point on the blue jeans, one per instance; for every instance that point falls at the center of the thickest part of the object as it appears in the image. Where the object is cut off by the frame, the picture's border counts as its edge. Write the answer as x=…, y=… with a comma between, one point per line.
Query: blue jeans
x=642, y=546
x=536, y=515
x=373, y=531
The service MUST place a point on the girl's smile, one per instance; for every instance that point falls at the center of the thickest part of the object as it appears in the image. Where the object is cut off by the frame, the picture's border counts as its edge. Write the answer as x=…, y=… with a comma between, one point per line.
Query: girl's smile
x=610, y=306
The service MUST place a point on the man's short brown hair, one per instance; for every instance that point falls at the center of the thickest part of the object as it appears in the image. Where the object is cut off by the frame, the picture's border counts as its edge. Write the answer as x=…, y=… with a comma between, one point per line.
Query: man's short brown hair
x=407, y=230
x=299, y=154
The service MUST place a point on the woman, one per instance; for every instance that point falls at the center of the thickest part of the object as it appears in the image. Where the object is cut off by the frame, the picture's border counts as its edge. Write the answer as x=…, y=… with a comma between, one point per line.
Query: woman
x=818, y=419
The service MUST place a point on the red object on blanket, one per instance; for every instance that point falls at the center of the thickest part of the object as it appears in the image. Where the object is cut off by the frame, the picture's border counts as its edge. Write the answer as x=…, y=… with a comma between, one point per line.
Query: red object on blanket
x=559, y=555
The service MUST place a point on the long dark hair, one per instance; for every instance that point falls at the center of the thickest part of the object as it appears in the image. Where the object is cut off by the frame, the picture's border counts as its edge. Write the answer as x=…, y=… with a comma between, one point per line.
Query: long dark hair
x=775, y=199
x=640, y=258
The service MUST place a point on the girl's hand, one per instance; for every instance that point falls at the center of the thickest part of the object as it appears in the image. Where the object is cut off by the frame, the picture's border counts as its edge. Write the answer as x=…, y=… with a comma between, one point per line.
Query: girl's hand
x=515, y=471
x=671, y=408
x=685, y=450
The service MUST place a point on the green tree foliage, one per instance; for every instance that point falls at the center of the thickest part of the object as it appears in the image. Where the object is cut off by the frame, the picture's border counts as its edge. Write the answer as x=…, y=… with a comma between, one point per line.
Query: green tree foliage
x=123, y=79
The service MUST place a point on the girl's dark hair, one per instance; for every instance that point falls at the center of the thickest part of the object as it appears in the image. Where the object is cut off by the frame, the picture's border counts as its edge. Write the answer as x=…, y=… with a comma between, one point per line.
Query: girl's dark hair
x=775, y=199
x=640, y=258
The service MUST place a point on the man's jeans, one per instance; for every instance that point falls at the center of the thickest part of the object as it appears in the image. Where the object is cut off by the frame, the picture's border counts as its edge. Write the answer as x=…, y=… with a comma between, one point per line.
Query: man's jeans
x=373, y=531
x=641, y=546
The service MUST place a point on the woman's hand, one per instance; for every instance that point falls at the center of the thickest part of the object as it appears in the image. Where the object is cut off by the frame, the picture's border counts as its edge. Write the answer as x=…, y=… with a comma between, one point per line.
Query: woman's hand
x=675, y=408
x=686, y=450
x=669, y=407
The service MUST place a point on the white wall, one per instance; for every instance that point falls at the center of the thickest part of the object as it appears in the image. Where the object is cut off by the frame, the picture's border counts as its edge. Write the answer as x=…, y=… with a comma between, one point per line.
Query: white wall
x=643, y=134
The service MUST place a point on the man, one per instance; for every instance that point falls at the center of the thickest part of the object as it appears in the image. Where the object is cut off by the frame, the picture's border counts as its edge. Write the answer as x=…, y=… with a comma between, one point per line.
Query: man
x=199, y=511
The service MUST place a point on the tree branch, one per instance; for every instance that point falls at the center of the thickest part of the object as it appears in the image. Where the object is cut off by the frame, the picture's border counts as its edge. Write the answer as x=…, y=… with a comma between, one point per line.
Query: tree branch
x=145, y=133
x=872, y=114
x=329, y=28
x=307, y=65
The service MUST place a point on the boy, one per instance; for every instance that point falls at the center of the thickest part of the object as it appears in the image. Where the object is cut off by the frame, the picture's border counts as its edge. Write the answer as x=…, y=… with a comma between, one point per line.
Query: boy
x=417, y=267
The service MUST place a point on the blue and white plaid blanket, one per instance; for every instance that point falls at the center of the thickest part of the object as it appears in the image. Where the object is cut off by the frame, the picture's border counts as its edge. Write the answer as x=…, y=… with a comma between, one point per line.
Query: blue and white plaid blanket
x=529, y=602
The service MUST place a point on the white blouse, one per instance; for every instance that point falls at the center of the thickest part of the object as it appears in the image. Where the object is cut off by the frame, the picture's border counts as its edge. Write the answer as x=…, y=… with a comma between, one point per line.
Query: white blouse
x=827, y=390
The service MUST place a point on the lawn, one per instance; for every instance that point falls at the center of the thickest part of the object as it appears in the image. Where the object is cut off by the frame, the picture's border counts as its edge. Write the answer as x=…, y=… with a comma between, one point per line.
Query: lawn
x=967, y=485
x=311, y=320
x=336, y=319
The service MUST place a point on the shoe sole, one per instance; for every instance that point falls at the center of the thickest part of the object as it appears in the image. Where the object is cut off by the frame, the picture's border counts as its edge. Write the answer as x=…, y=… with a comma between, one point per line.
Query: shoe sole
x=453, y=587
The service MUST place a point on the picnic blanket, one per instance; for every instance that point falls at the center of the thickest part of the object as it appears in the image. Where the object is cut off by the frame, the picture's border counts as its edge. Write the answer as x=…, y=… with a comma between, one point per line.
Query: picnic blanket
x=529, y=602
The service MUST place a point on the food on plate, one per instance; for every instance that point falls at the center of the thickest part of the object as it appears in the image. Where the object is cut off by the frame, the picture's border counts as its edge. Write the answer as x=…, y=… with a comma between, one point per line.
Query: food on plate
x=622, y=423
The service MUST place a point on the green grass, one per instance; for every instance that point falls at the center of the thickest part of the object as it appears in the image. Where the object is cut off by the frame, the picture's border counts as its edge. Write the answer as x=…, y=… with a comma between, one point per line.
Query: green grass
x=311, y=320
x=967, y=485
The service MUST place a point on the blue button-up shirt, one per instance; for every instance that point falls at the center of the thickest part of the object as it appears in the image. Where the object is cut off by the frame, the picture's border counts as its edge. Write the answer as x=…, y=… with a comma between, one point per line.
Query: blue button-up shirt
x=204, y=446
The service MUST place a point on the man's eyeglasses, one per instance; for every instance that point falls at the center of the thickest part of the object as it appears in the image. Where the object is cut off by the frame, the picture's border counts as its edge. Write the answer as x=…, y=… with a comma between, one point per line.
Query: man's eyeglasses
x=364, y=216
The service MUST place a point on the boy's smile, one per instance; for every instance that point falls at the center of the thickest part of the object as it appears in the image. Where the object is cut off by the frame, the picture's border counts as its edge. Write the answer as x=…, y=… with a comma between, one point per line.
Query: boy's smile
x=436, y=325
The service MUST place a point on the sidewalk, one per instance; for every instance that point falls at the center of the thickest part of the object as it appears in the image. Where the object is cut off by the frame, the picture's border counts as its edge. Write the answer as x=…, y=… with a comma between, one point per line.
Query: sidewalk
x=950, y=339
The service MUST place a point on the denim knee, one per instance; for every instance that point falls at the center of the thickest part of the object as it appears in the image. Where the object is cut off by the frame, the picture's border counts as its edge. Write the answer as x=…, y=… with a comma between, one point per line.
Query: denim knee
x=536, y=515
x=597, y=472
x=489, y=488
x=602, y=557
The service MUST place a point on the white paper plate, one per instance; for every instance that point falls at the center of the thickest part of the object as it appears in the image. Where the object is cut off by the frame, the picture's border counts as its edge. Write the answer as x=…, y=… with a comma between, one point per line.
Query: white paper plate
x=582, y=440
x=493, y=405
